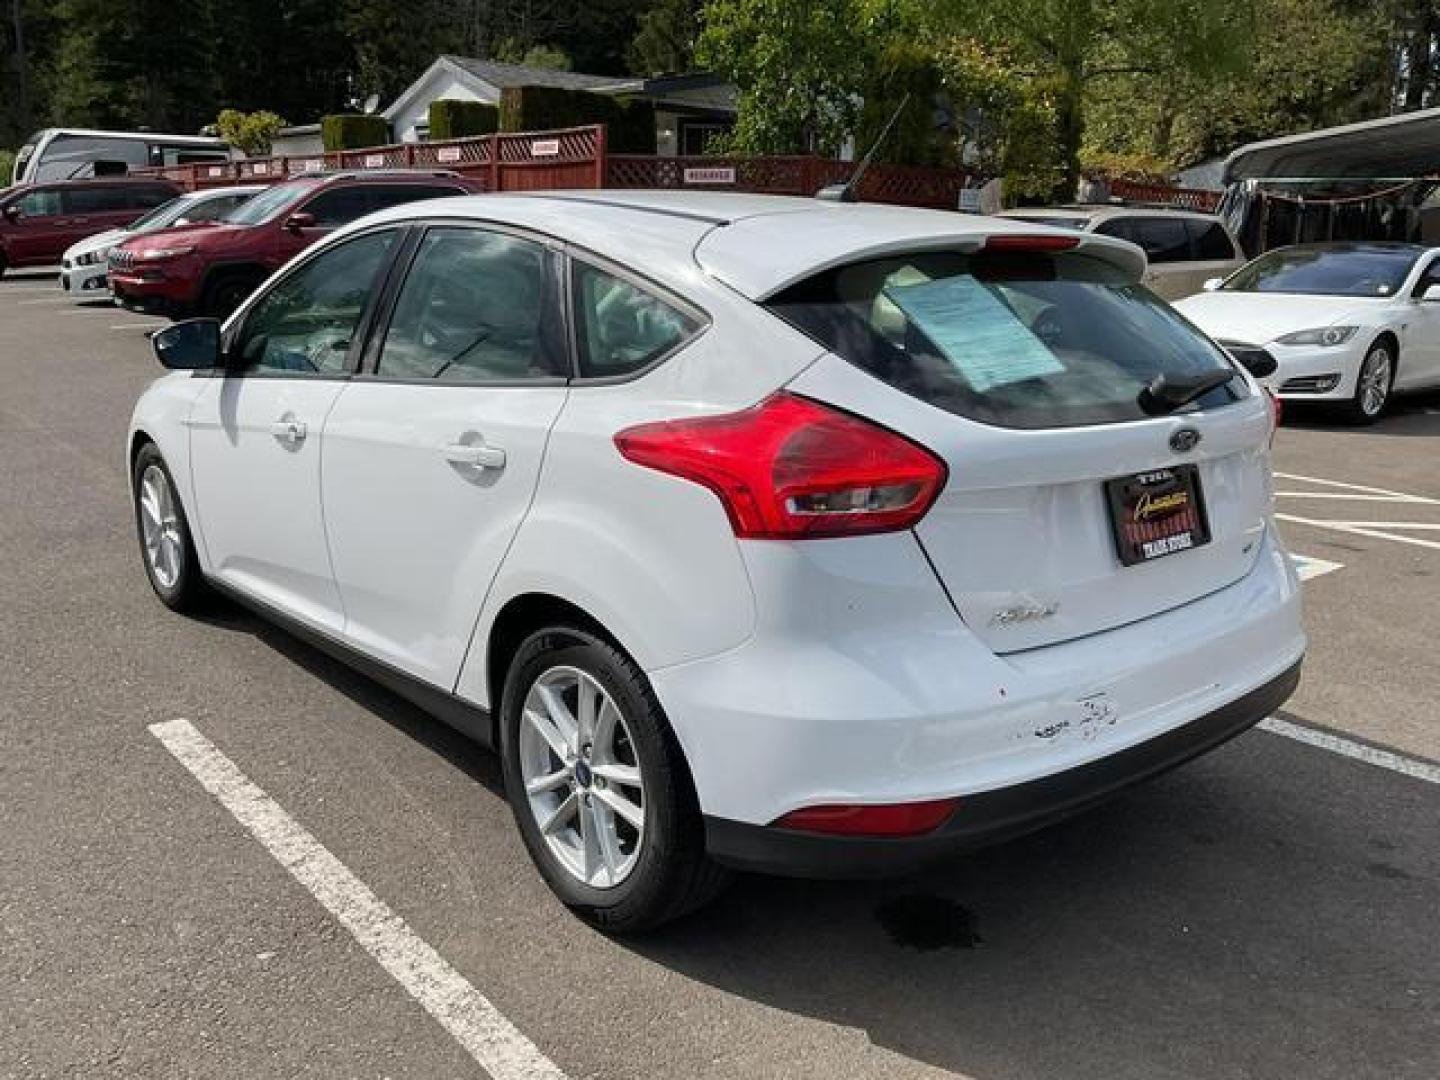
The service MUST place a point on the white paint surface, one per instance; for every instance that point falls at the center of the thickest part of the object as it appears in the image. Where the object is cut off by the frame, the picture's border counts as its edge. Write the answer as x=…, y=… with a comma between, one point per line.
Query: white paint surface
x=496, y=1044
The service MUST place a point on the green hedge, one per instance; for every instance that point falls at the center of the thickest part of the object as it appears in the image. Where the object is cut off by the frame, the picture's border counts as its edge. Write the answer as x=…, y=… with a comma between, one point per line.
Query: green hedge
x=451, y=118
x=630, y=124
x=354, y=132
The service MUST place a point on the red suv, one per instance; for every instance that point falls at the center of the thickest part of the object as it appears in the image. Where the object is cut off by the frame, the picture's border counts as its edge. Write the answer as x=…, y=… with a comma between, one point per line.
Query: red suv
x=39, y=221
x=210, y=268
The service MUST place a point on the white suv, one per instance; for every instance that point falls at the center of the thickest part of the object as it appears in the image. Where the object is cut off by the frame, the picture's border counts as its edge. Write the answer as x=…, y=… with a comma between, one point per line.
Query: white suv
x=1183, y=248
x=753, y=532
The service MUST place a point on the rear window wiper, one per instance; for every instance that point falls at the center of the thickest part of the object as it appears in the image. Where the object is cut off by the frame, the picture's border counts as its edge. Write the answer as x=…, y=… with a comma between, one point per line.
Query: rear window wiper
x=1168, y=392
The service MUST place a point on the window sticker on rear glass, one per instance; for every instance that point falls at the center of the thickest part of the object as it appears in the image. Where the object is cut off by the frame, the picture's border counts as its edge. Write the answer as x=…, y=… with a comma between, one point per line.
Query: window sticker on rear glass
x=975, y=331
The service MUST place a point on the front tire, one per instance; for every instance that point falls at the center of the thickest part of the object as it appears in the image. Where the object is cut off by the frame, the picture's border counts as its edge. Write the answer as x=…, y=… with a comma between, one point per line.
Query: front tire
x=227, y=291
x=598, y=785
x=167, y=549
x=1373, y=386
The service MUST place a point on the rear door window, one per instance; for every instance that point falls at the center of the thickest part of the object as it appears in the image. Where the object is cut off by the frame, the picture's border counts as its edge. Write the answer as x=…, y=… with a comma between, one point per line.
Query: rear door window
x=1016, y=339
x=383, y=195
x=1164, y=239
x=97, y=200
x=147, y=197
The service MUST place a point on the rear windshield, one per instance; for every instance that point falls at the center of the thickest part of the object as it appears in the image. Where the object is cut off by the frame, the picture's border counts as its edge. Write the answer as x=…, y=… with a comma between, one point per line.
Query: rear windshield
x=1017, y=339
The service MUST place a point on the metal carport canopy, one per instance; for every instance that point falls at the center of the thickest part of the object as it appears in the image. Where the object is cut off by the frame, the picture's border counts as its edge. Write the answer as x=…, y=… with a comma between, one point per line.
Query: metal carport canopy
x=1392, y=147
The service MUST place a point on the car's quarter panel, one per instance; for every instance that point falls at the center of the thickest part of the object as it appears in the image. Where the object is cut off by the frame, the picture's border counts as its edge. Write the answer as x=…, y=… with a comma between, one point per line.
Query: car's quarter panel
x=1022, y=534
x=416, y=537
x=859, y=686
x=651, y=557
x=258, y=491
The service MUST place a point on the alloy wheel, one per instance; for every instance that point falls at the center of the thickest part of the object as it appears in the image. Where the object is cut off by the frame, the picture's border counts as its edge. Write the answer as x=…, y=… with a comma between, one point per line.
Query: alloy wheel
x=1375, y=381
x=581, y=772
x=160, y=528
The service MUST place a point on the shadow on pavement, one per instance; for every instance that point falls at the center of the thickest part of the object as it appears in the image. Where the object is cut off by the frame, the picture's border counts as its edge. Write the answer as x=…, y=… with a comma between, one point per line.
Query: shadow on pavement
x=1270, y=910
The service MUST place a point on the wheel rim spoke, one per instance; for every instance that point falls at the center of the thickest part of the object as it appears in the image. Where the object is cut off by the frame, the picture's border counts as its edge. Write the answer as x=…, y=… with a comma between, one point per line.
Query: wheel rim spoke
x=546, y=729
x=562, y=815
x=549, y=782
x=160, y=528
x=622, y=807
x=581, y=777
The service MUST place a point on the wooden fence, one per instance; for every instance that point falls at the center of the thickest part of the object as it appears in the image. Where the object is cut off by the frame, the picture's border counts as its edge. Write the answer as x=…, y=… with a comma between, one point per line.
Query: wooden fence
x=520, y=161
x=576, y=158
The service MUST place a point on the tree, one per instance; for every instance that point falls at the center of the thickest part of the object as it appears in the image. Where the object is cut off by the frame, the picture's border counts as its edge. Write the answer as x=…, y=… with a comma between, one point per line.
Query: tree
x=664, y=41
x=254, y=133
x=799, y=65
x=1070, y=46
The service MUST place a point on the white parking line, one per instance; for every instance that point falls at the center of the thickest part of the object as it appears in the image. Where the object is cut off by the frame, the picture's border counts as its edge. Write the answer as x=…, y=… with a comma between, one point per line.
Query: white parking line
x=47, y=300
x=1359, y=530
x=138, y=325
x=489, y=1038
x=1338, y=744
x=1398, y=496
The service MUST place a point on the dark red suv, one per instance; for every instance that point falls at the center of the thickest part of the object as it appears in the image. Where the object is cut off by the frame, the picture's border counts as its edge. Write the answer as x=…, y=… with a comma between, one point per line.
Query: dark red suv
x=210, y=268
x=39, y=221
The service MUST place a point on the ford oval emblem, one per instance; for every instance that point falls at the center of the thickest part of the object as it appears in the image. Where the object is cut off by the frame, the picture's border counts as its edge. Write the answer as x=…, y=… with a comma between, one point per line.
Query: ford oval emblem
x=1184, y=439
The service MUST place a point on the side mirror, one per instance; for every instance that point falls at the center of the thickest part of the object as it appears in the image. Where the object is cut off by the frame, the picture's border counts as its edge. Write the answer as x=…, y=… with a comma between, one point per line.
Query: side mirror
x=12, y=212
x=1431, y=294
x=300, y=220
x=1211, y=284
x=192, y=345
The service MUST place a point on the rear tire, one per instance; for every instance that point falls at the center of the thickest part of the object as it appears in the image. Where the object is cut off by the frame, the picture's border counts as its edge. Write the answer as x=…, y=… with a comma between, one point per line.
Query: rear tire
x=227, y=291
x=167, y=549
x=1373, y=385
x=615, y=875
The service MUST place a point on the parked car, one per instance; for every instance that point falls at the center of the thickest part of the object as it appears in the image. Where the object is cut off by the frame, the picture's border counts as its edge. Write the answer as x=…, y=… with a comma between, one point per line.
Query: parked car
x=821, y=539
x=39, y=221
x=84, y=265
x=1348, y=323
x=1184, y=248
x=210, y=269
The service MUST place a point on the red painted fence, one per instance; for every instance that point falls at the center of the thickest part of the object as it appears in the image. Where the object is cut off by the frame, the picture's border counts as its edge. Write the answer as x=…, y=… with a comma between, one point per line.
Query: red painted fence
x=576, y=158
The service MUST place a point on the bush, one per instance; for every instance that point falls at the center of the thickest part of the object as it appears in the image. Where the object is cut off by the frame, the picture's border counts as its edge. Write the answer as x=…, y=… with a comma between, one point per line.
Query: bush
x=7, y=167
x=354, y=132
x=451, y=118
x=630, y=124
x=922, y=133
x=254, y=133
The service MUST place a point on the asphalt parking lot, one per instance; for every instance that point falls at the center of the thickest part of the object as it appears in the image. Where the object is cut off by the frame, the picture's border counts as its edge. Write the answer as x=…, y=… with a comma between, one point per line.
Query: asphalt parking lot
x=1268, y=911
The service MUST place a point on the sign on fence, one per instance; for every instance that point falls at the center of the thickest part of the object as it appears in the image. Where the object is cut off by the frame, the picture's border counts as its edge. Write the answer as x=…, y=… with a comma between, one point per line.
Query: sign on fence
x=260, y=168
x=215, y=170
x=374, y=161
x=545, y=148
x=448, y=153
x=710, y=175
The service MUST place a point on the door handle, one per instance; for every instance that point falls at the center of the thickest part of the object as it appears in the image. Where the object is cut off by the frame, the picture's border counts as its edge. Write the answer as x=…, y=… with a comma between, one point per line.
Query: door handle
x=289, y=430
x=475, y=456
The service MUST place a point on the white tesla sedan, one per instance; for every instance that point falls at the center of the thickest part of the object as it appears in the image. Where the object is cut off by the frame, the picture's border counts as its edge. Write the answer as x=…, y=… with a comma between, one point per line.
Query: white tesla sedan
x=753, y=532
x=1347, y=323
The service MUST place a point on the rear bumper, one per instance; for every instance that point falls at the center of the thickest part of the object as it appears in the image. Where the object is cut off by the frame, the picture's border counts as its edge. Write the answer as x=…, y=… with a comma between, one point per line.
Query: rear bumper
x=992, y=816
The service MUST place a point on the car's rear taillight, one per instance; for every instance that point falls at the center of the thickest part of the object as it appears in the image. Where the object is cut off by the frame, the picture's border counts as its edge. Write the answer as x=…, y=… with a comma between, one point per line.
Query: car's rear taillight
x=791, y=468
x=892, y=820
x=1029, y=242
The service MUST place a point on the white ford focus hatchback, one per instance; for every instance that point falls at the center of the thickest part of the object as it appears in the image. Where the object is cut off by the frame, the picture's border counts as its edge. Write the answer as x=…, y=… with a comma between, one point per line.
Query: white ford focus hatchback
x=755, y=533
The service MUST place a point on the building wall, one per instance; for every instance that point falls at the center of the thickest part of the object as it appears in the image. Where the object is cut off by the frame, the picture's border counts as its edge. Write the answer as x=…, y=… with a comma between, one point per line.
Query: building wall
x=410, y=124
x=299, y=144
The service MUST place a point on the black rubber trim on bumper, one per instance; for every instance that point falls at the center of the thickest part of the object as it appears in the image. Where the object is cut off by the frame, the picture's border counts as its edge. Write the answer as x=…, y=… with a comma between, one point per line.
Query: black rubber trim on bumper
x=991, y=816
